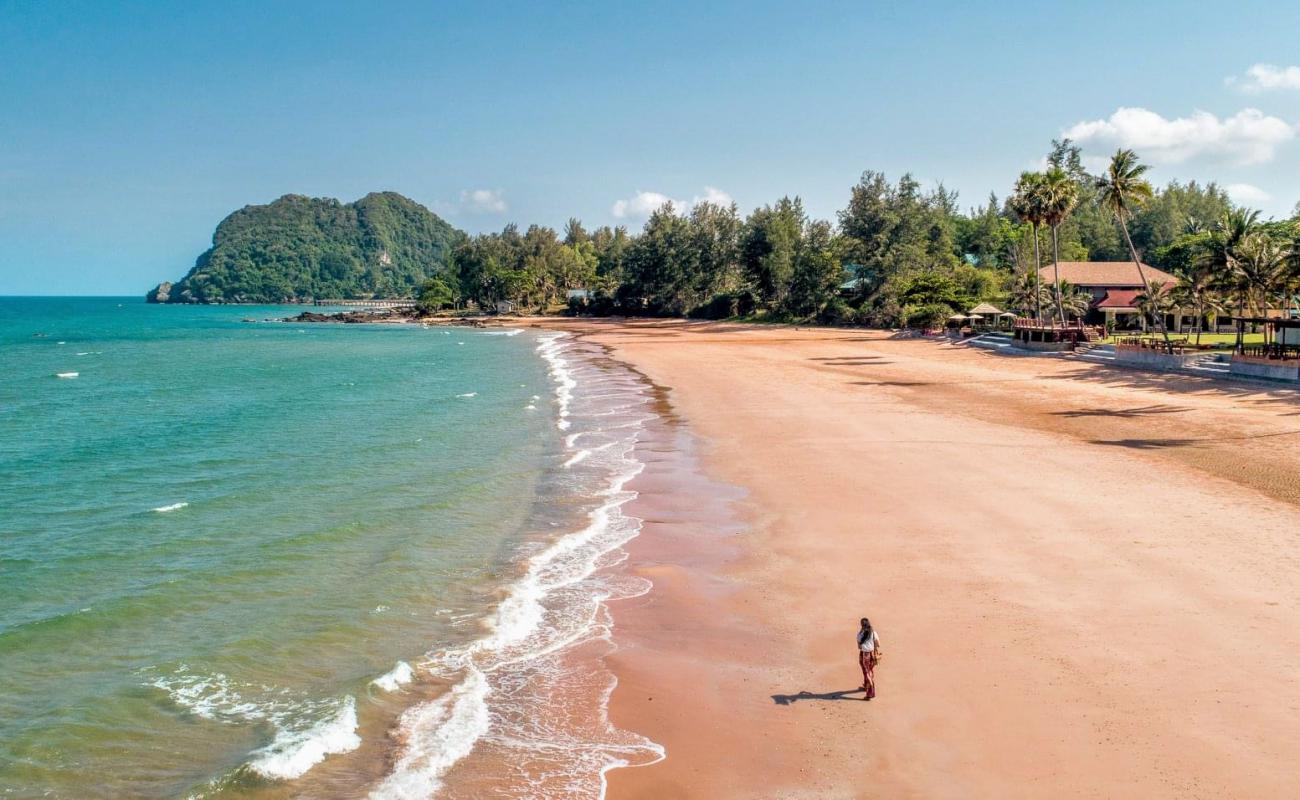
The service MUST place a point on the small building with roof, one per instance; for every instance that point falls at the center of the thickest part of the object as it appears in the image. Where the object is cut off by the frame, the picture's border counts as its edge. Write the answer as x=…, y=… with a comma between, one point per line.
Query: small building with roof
x=1114, y=286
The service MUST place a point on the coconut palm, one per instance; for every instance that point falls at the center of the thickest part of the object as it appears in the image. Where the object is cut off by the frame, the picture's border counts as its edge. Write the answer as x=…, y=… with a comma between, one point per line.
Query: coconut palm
x=1223, y=255
x=1262, y=271
x=1027, y=292
x=1027, y=203
x=1071, y=301
x=1157, y=301
x=1198, y=290
x=1059, y=195
x=1121, y=190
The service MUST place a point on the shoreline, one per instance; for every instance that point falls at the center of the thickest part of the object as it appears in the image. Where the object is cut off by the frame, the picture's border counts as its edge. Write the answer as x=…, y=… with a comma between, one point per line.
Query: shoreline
x=1038, y=640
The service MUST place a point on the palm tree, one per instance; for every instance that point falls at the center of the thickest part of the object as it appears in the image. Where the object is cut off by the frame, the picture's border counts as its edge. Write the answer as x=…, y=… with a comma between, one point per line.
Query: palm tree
x=1059, y=195
x=1070, y=300
x=1223, y=256
x=1026, y=292
x=1197, y=291
x=1156, y=301
x=1027, y=203
x=1121, y=190
x=1262, y=270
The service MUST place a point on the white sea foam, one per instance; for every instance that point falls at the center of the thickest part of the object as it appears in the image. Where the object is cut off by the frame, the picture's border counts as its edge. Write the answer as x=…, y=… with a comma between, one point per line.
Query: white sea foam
x=437, y=735
x=66, y=374
x=208, y=696
x=551, y=350
x=468, y=394
x=306, y=730
x=501, y=683
x=577, y=458
x=172, y=507
x=293, y=752
x=395, y=678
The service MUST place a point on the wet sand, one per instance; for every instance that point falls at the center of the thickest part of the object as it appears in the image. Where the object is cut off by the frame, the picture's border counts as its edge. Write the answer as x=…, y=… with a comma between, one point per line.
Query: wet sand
x=1084, y=578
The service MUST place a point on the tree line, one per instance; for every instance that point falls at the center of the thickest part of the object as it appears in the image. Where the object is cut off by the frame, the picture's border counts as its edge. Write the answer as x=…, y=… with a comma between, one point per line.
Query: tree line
x=897, y=254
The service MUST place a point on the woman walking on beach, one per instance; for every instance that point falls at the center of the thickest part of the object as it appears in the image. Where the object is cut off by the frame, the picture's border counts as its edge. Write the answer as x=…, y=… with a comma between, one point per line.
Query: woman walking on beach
x=868, y=656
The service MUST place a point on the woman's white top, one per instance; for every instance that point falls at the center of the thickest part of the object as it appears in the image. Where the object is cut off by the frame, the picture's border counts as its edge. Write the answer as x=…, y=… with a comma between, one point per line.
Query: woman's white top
x=868, y=644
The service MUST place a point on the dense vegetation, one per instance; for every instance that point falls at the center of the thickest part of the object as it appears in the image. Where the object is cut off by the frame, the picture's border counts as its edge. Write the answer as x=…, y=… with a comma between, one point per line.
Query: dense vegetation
x=299, y=248
x=897, y=254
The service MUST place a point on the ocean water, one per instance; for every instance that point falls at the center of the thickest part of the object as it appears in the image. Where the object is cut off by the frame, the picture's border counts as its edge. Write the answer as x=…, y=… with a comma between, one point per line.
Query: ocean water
x=249, y=558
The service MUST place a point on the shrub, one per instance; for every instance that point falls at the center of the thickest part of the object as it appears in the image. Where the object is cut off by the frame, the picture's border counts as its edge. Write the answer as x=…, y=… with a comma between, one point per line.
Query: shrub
x=838, y=312
x=930, y=315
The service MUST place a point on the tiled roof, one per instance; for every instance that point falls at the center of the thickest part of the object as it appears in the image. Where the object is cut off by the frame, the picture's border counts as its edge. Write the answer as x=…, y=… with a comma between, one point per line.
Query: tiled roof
x=1105, y=273
x=1119, y=298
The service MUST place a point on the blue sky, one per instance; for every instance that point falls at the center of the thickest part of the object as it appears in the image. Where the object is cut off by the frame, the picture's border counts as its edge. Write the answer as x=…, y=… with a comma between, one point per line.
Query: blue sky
x=128, y=130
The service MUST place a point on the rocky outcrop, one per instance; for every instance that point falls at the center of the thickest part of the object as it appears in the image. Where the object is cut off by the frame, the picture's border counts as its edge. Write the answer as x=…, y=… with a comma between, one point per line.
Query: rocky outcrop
x=384, y=315
x=162, y=293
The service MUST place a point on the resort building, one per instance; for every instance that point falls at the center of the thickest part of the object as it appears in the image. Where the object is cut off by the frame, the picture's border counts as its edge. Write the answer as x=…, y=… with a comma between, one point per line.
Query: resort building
x=1114, y=286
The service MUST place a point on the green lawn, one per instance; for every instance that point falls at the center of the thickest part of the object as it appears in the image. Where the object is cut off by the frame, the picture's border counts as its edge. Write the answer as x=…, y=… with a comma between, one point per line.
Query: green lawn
x=1219, y=339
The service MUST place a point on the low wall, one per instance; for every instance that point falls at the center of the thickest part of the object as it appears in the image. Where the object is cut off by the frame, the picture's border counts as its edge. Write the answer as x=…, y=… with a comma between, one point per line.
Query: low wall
x=1154, y=359
x=1043, y=347
x=1263, y=368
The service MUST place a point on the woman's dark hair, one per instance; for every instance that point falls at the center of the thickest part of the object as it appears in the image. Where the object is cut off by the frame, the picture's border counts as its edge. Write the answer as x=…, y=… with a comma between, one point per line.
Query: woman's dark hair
x=866, y=625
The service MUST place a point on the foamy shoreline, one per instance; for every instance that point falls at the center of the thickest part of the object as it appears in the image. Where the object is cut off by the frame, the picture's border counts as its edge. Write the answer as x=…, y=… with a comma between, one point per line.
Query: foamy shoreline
x=550, y=615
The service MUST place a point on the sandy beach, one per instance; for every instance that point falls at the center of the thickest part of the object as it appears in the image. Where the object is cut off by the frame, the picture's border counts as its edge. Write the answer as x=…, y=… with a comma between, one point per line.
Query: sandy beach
x=1083, y=578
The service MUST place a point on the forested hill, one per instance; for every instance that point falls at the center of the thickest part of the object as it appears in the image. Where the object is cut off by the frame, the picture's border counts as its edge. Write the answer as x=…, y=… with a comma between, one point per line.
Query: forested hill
x=301, y=248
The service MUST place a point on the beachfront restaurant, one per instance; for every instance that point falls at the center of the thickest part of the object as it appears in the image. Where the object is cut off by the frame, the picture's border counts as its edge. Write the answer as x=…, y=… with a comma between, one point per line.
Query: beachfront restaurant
x=1051, y=336
x=1114, y=287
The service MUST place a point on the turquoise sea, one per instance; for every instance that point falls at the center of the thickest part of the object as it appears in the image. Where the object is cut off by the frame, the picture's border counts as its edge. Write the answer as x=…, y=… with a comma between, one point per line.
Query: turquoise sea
x=242, y=557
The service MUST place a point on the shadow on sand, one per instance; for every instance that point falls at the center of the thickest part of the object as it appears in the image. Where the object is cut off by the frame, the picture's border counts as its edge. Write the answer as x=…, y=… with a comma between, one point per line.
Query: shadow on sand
x=790, y=699
x=1123, y=413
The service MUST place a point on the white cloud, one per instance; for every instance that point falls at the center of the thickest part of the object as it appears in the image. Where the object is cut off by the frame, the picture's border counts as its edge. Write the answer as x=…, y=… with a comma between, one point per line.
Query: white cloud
x=1265, y=77
x=1247, y=137
x=714, y=195
x=483, y=201
x=1247, y=194
x=643, y=204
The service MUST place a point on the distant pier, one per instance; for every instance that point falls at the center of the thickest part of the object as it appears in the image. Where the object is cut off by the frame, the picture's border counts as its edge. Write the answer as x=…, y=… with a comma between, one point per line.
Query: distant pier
x=400, y=303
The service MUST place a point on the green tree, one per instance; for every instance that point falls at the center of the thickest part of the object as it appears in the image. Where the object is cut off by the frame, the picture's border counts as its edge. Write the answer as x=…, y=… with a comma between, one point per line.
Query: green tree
x=1197, y=290
x=1027, y=293
x=1157, y=300
x=1070, y=300
x=1223, y=254
x=435, y=295
x=892, y=232
x=1029, y=202
x=817, y=270
x=769, y=247
x=653, y=266
x=1121, y=190
x=712, y=252
x=1059, y=195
